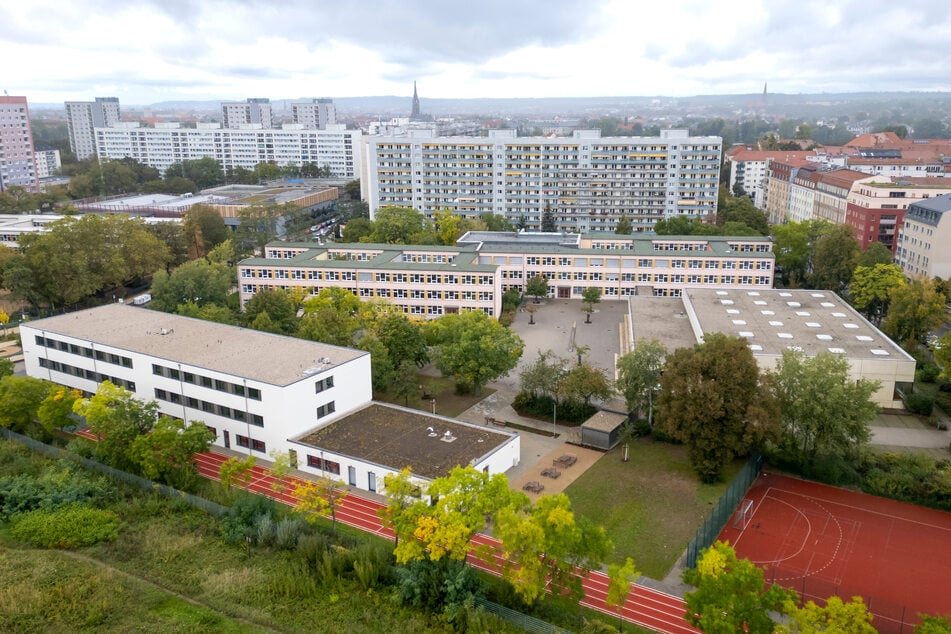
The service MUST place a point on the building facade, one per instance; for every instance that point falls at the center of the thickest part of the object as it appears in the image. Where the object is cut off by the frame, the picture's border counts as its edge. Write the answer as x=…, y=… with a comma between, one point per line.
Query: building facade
x=254, y=111
x=924, y=238
x=48, y=162
x=83, y=117
x=259, y=393
x=315, y=114
x=17, y=159
x=749, y=169
x=877, y=205
x=429, y=281
x=167, y=143
x=587, y=182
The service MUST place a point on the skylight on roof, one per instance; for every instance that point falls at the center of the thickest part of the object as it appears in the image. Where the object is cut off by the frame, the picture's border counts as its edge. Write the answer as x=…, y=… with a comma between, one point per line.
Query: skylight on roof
x=878, y=352
x=838, y=314
x=732, y=311
x=775, y=323
x=739, y=322
x=746, y=333
x=818, y=295
x=726, y=302
x=760, y=302
x=755, y=347
x=784, y=335
x=827, y=304
x=753, y=293
x=768, y=312
x=785, y=294
x=824, y=337
x=813, y=324
x=864, y=338
x=837, y=350
x=802, y=313
x=722, y=293
x=851, y=326
x=793, y=304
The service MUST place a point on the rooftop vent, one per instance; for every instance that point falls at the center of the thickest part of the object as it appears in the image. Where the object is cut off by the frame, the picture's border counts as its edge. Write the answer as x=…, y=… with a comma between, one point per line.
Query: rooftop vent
x=448, y=437
x=431, y=432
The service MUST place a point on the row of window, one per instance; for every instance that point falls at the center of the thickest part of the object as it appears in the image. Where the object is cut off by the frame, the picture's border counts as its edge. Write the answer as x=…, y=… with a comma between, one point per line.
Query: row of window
x=326, y=409
x=83, y=373
x=237, y=389
x=211, y=408
x=327, y=466
x=89, y=353
x=251, y=443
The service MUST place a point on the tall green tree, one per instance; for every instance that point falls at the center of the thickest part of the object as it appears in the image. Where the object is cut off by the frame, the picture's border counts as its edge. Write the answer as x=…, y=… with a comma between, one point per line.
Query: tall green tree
x=620, y=579
x=914, y=310
x=548, y=224
x=403, y=339
x=624, y=226
x=836, y=253
x=396, y=225
x=117, y=418
x=824, y=411
x=204, y=229
x=358, y=229
x=639, y=374
x=871, y=287
x=537, y=287
x=278, y=305
x=731, y=594
x=835, y=616
x=20, y=400
x=794, y=245
x=165, y=453
x=402, y=492
x=543, y=375
x=584, y=382
x=200, y=282
x=876, y=253
x=714, y=399
x=473, y=348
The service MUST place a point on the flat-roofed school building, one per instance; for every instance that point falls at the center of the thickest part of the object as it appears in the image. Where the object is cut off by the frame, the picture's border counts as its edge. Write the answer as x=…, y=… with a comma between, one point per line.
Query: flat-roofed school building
x=256, y=391
x=773, y=320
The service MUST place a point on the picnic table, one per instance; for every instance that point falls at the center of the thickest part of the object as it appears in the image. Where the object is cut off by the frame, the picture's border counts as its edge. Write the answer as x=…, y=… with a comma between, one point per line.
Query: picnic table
x=565, y=461
x=534, y=486
x=551, y=472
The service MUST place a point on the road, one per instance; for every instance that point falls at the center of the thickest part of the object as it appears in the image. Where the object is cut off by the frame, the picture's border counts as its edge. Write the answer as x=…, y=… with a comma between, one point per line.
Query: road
x=645, y=606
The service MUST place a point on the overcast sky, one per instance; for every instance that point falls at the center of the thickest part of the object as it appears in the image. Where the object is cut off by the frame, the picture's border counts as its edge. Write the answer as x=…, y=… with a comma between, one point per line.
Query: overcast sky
x=145, y=51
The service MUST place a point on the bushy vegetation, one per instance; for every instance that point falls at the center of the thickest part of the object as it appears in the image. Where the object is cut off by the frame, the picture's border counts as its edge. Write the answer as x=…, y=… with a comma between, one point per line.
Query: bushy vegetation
x=570, y=411
x=70, y=526
x=60, y=485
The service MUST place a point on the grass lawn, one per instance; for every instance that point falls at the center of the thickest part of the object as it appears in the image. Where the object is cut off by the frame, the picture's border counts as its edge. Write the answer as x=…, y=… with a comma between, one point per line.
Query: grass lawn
x=443, y=389
x=650, y=506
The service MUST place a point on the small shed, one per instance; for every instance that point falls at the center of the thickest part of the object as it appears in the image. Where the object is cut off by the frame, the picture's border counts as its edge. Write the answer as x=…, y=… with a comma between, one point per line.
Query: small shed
x=602, y=430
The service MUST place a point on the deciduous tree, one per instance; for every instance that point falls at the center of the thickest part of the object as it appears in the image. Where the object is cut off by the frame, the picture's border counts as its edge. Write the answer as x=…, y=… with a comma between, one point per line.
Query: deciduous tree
x=166, y=452
x=714, y=399
x=200, y=282
x=620, y=579
x=473, y=348
x=590, y=296
x=876, y=253
x=278, y=305
x=871, y=289
x=236, y=472
x=731, y=595
x=823, y=410
x=396, y=225
x=204, y=229
x=537, y=287
x=835, y=616
x=20, y=400
x=320, y=498
x=914, y=310
x=402, y=493
x=584, y=382
x=117, y=418
x=639, y=374
x=56, y=410
x=836, y=251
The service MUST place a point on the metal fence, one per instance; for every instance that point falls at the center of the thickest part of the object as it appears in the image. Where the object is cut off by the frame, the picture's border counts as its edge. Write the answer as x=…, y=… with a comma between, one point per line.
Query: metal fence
x=721, y=513
x=142, y=483
x=523, y=621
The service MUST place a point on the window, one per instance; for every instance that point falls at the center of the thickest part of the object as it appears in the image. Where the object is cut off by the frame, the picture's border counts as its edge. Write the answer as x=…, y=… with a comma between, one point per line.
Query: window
x=324, y=384
x=325, y=409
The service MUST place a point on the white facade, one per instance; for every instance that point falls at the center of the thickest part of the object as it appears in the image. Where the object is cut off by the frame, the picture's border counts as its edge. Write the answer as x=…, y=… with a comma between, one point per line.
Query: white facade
x=336, y=147
x=315, y=114
x=256, y=391
x=924, y=238
x=237, y=114
x=83, y=117
x=17, y=160
x=48, y=163
x=587, y=181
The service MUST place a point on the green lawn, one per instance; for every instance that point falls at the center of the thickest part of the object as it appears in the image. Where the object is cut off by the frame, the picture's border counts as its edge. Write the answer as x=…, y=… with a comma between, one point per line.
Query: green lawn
x=650, y=506
x=448, y=403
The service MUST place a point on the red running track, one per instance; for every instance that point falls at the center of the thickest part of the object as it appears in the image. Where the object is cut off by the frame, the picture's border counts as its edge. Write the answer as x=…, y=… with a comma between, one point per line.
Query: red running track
x=645, y=606
x=824, y=541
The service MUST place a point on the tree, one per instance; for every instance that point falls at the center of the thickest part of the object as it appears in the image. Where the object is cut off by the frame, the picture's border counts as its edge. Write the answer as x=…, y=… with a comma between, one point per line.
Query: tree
x=731, y=595
x=794, y=245
x=584, y=382
x=208, y=312
x=117, y=418
x=278, y=305
x=473, y=348
x=834, y=259
x=548, y=220
x=496, y=222
x=258, y=225
x=401, y=492
x=624, y=226
x=396, y=225
x=56, y=410
x=537, y=287
x=639, y=372
x=542, y=376
x=172, y=236
x=835, y=616
x=403, y=339
x=871, y=288
x=166, y=452
x=200, y=282
x=915, y=309
x=714, y=399
x=934, y=625
x=464, y=500
x=824, y=411
x=319, y=498
x=545, y=546
x=20, y=400
x=265, y=172
x=352, y=189
x=740, y=209
x=357, y=229
x=620, y=579
x=405, y=384
x=236, y=471
x=204, y=229
x=876, y=253
x=590, y=296
x=7, y=368
x=381, y=364
x=204, y=172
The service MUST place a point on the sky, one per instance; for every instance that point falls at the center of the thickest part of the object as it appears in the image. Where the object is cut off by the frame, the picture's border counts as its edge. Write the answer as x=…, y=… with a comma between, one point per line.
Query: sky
x=147, y=51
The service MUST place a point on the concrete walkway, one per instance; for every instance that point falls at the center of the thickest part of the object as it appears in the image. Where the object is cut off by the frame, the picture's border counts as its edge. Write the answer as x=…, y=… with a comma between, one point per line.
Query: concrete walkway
x=901, y=429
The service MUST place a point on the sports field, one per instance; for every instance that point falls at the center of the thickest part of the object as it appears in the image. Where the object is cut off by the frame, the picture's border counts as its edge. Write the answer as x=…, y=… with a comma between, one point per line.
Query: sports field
x=824, y=541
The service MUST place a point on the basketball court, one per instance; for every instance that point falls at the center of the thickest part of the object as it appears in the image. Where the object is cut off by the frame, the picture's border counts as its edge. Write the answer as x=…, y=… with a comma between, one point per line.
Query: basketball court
x=824, y=541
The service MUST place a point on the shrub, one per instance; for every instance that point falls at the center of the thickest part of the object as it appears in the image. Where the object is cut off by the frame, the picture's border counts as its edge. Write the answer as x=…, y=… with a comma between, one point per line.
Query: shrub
x=928, y=373
x=511, y=298
x=943, y=400
x=264, y=530
x=68, y=527
x=919, y=404
x=60, y=485
x=311, y=548
x=287, y=533
x=241, y=519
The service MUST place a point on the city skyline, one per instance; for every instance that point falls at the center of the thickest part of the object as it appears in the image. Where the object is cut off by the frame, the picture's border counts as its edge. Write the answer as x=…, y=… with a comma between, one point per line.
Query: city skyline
x=231, y=49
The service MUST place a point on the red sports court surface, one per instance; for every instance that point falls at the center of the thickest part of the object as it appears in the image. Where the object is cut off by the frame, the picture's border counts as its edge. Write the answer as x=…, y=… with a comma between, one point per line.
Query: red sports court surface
x=824, y=541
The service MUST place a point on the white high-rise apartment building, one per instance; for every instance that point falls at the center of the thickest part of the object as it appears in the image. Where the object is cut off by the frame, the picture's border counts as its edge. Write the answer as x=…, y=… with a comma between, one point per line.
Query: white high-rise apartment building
x=167, y=143
x=236, y=114
x=83, y=117
x=17, y=160
x=315, y=114
x=587, y=181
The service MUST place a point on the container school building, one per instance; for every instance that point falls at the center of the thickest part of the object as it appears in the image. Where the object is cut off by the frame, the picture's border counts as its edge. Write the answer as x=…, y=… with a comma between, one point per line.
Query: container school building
x=429, y=281
x=260, y=393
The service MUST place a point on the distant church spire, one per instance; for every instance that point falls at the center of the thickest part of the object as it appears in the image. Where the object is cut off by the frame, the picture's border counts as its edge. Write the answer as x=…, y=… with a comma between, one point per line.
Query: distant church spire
x=415, y=113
